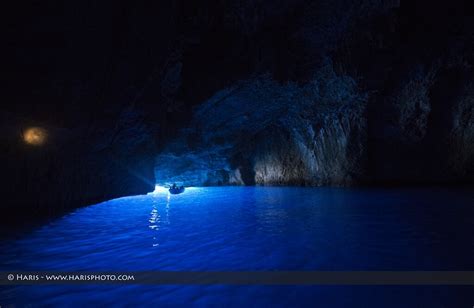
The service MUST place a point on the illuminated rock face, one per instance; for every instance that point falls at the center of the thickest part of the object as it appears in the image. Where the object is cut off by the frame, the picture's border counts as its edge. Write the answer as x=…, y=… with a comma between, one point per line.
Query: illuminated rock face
x=266, y=133
x=407, y=118
x=328, y=151
x=414, y=125
x=327, y=132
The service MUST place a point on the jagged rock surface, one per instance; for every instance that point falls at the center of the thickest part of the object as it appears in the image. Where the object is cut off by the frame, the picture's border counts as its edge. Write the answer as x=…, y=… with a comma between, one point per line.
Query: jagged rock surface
x=263, y=132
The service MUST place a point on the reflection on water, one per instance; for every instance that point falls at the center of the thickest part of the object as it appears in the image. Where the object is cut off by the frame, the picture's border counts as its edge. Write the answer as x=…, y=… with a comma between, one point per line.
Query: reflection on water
x=167, y=209
x=154, y=221
x=256, y=228
x=155, y=218
x=252, y=228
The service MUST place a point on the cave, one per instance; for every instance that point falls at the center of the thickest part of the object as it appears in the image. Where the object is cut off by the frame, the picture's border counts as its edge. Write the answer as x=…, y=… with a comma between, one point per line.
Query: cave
x=283, y=121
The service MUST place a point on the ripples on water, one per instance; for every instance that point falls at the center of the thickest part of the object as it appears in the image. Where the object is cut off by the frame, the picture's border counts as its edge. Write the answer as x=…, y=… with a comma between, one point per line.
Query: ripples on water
x=253, y=228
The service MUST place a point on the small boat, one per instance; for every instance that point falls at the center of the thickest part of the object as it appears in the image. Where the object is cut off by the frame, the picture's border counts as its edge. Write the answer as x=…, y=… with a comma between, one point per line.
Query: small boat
x=176, y=189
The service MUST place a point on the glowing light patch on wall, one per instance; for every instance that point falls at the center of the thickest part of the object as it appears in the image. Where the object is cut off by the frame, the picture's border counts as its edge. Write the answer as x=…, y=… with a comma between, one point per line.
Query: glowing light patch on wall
x=35, y=135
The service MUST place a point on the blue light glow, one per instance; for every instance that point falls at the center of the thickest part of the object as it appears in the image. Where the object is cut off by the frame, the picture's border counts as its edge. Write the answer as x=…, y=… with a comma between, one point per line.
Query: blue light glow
x=242, y=229
x=162, y=189
x=159, y=189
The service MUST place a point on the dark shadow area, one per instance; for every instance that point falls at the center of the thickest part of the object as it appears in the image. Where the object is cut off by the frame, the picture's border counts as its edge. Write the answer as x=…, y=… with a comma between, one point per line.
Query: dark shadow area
x=232, y=93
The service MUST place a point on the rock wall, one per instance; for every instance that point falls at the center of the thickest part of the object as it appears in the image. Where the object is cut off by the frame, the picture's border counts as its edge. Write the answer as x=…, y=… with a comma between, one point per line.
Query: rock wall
x=425, y=130
x=376, y=93
x=263, y=132
x=286, y=92
x=72, y=167
x=329, y=132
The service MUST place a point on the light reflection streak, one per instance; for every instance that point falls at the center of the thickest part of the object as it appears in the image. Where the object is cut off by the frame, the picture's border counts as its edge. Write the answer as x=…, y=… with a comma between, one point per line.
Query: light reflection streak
x=154, y=221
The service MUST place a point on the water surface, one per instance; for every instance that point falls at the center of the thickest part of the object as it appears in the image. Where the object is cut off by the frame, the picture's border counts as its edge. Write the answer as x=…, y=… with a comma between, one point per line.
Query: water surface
x=254, y=228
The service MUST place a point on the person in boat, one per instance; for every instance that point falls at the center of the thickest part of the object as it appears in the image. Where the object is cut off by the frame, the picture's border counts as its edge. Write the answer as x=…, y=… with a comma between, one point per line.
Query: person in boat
x=175, y=189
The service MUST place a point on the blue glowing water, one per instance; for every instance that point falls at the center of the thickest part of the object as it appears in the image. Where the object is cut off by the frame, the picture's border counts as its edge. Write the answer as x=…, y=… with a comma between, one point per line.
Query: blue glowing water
x=253, y=228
